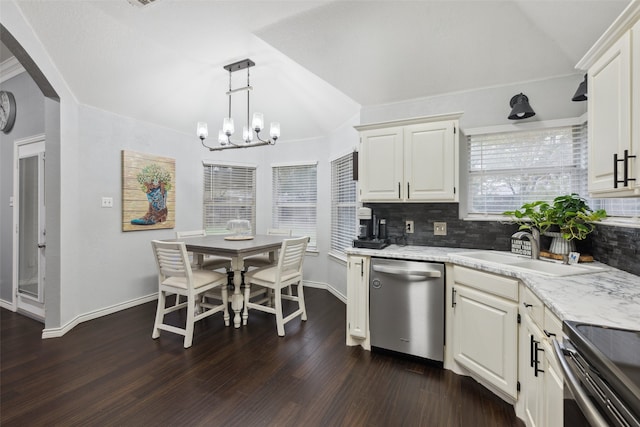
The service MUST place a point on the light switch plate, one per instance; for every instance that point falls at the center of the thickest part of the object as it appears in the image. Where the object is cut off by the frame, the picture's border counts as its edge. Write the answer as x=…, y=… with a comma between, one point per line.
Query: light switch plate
x=439, y=228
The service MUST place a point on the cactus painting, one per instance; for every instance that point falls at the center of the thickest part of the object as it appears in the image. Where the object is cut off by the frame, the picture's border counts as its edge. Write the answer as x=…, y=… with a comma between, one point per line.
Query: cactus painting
x=148, y=195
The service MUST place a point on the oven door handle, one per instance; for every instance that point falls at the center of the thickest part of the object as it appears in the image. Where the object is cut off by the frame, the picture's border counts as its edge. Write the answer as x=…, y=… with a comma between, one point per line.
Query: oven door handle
x=588, y=409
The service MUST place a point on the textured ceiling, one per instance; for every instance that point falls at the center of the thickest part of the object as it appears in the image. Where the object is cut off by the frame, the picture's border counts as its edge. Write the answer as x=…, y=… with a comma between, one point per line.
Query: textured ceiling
x=316, y=61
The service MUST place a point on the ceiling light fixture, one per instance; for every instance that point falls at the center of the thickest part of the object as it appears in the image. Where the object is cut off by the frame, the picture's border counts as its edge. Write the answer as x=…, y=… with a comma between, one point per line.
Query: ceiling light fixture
x=520, y=108
x=581, y=93
x=228, y=128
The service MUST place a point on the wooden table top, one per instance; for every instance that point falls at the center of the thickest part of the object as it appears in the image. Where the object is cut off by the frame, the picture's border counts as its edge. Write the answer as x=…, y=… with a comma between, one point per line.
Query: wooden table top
x=217, y=245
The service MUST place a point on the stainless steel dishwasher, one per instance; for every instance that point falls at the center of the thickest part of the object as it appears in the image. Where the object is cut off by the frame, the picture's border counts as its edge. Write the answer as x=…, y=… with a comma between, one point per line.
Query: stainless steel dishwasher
x=406, y=307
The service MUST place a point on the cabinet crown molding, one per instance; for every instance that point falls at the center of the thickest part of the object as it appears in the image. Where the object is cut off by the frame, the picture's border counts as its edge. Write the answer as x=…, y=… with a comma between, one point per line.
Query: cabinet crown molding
x=411, y=121
x=623, y=23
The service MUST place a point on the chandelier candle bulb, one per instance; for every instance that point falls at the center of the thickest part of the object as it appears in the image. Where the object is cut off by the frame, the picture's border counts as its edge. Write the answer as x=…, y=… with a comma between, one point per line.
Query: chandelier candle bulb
x=222, y=137
x=246, y=134
x=227, y=126
x=258, y=122
x=275, y=130
x=203, y=130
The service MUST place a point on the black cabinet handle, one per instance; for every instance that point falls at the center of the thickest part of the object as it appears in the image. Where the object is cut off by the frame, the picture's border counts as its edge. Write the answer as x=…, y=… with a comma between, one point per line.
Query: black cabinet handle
x=537, y=361
x=408, y=192
x=527, y=305
x=615, y=170
x=531, y=351
x=549, y=334
x=453, y=297
x=399, y=190
x=625, y=169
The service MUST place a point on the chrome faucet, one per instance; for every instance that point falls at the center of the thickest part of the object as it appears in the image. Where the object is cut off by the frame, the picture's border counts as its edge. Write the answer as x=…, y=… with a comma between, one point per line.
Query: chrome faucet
x=533, y=237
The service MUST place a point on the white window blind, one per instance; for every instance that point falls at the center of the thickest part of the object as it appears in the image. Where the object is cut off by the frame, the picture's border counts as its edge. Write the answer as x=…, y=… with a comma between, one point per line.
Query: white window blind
x=343, y=204
x=295, y=199
x=509, y=169
x=229, y=193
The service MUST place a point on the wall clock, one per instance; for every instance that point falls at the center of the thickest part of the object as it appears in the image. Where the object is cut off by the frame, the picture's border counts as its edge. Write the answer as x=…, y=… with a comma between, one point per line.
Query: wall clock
x=7, y=111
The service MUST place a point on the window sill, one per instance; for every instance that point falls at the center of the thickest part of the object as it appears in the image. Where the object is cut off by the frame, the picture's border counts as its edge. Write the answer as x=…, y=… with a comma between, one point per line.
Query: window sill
x=342, y=258
x=611, y=221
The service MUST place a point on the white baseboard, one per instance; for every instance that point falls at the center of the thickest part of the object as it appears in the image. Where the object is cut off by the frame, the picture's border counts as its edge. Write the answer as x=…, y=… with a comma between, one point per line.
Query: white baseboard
x=326, y=286
x=8, y=305
x=58, y=332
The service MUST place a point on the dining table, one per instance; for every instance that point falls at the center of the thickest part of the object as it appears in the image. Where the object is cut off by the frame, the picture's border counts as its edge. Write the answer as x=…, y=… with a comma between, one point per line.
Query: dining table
x=237, y=248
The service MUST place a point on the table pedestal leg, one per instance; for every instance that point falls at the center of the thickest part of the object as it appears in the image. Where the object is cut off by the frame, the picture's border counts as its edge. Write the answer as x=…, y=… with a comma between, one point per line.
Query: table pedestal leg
x=237, y=300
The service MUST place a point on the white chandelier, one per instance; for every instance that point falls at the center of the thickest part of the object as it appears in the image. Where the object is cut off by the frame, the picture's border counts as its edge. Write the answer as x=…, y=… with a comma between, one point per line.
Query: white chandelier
x=257, y=124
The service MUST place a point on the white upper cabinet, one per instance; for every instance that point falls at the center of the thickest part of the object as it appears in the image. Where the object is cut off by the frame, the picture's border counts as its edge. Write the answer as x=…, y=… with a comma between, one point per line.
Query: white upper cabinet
x=412, y=160
x=613, y=67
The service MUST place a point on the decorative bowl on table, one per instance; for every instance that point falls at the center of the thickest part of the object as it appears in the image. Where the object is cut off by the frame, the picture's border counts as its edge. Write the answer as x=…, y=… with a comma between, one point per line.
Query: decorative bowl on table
x=241, y=229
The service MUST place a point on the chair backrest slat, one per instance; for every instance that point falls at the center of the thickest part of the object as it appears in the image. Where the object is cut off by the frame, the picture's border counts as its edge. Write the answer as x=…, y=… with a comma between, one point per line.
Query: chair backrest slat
x=171, y=258
x=190, y=233
x=292, y=254
x=279, y=232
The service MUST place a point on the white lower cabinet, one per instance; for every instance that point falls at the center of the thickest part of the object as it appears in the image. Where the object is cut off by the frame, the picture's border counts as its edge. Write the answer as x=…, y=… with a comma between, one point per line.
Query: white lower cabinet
x=531, y=366
x=541, y=383
x=485, y=331
x=358, y=300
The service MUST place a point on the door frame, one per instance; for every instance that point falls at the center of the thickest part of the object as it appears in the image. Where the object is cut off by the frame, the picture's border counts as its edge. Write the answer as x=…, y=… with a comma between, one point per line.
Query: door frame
x=29, y=306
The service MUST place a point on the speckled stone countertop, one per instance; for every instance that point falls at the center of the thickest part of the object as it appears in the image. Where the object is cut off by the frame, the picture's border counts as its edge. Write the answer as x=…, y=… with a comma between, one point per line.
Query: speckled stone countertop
x=610, y=298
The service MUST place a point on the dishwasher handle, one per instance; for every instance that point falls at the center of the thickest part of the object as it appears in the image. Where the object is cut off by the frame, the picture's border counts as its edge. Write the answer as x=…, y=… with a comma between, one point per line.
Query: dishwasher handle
x=406, y=272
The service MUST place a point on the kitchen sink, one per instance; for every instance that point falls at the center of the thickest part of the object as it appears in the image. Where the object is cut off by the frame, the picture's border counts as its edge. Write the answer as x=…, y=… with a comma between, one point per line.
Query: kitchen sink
x=540, y=266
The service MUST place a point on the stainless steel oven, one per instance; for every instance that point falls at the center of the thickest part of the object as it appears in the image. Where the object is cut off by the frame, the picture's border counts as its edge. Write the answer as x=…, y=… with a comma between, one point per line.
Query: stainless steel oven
x=601, y=367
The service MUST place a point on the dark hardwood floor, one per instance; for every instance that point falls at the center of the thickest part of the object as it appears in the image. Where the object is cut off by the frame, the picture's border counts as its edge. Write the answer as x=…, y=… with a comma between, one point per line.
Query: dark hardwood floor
x=110, y=372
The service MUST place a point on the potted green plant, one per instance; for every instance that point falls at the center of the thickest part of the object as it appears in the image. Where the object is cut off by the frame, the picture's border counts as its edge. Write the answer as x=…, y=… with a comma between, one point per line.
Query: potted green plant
x=566, y=219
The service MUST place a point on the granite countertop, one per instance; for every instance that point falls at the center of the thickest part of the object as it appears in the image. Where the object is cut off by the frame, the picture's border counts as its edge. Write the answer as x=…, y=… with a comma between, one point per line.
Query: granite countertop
x=610, y=298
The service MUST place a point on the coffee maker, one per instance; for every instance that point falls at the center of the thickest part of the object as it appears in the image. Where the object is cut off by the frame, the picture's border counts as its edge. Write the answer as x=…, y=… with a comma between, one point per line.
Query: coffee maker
x=366, y=224
x=369, y=235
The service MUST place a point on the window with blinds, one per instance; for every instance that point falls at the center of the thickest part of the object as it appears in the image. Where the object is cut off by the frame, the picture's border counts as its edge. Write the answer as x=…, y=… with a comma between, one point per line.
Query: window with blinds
x=508, y=169
x=295, y=192
x=229, y=193
x=343, y=204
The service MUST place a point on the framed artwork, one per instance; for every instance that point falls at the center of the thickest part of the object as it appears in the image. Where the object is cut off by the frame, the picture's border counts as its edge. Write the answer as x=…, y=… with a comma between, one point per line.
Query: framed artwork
x=148, y=191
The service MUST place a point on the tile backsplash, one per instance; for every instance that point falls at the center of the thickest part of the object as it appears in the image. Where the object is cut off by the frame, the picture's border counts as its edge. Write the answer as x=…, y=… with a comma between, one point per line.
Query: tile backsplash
x=618, y=247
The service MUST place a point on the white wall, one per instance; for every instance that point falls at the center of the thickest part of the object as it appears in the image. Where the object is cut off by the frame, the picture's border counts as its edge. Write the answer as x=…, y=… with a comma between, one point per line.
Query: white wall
x=550, y=99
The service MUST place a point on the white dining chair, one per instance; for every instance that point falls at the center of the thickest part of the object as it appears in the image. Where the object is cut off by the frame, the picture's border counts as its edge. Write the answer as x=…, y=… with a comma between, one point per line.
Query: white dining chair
x=209, y=262
x=287, y=272
x=263, y=260
x=175, y=276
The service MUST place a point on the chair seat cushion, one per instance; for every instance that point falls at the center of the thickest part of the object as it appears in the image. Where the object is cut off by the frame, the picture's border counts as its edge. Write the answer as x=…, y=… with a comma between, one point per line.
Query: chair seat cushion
x=269, y=275
x=258, y=261
x=200, y=278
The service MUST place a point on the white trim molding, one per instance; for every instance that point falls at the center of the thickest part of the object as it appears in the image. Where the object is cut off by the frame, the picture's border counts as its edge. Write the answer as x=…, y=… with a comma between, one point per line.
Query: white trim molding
x=10, y=68
x=327, y=287
x=58, y=332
